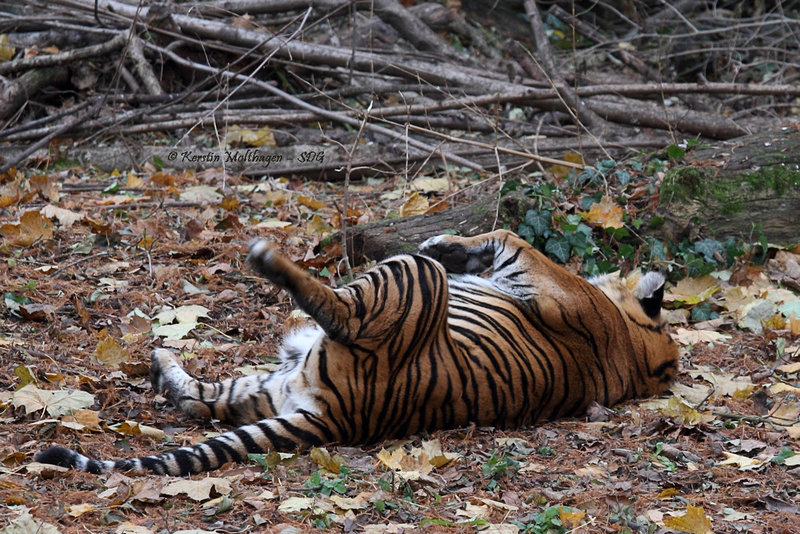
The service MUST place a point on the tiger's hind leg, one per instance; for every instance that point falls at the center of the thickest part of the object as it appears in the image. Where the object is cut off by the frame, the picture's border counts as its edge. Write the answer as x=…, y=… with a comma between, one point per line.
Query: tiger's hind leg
x=241, y=400
x=414, y=287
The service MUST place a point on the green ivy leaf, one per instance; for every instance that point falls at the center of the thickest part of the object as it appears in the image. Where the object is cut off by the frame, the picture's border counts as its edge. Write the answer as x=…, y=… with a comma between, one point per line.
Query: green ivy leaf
x=626, y=251
x=558, y=247
x=605, y=165
x=675, y=152
x=703, y=312
x=511, y=185
x=707, y=247
x=624, y=177
x=539, y=221
x=784, y=454
x=657, y=249
x=618, y=233
x=526, y=232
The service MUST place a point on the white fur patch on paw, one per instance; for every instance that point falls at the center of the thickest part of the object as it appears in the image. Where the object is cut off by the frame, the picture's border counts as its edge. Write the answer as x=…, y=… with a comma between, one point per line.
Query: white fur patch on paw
x=258, y=247
x=431, y=242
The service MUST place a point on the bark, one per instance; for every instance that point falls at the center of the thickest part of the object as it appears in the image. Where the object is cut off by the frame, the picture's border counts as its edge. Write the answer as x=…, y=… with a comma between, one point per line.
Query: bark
x=381, y=239
x=411, y=28
x=14, y=93
x=143, y=68
x=64, y=57
x=732, y=188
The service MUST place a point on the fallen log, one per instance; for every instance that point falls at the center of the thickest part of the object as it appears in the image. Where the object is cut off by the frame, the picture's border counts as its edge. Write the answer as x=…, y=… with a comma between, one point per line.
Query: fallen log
x=735, y=188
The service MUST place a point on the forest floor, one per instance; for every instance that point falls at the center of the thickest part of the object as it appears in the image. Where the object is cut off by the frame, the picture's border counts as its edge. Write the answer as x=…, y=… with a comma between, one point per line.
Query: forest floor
x=84, y=303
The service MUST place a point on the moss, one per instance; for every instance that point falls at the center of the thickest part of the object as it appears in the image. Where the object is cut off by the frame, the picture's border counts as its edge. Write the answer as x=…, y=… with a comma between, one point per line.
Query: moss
x=775, y=178
x=730, y=192
x=684, y=183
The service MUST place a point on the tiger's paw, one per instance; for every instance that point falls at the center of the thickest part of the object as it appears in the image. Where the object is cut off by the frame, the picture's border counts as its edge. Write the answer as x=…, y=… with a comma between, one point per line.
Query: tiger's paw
x=452, y=252
x=264, y=259
x=181, y=390
x=167, y=376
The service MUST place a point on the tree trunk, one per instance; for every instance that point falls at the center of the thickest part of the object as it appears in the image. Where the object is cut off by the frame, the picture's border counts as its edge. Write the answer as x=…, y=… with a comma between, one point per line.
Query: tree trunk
x=734, y=187
x=725, y=190
x=381, y=239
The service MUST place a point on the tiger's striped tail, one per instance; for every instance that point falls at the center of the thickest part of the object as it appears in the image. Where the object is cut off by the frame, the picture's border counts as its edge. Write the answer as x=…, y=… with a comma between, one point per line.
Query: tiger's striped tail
x=287, y=434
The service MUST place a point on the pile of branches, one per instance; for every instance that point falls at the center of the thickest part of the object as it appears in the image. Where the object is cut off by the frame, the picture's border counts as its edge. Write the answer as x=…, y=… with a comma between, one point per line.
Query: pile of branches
x=461, y=84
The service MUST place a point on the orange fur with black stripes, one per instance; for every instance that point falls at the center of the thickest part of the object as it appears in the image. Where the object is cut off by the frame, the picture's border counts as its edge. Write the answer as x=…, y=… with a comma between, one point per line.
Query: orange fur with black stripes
x=406, y=347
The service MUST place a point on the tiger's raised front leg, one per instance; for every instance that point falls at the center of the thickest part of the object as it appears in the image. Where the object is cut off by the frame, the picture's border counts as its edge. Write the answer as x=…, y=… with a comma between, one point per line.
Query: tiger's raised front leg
x=517, y=267
x=473, y=255
x=523, y=272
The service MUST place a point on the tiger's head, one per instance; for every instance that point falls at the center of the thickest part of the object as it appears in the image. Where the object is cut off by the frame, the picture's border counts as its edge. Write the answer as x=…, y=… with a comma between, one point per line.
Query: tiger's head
x=657, y=363
x=642, y=303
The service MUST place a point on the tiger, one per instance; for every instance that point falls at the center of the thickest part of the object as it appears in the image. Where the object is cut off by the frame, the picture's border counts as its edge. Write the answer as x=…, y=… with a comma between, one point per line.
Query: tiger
x=482, y=330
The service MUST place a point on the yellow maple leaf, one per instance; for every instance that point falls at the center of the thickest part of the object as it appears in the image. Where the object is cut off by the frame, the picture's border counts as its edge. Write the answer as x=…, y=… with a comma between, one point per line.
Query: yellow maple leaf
x=605, y=213
x=692, y=290
x=742, y=462
x=323, y=458
x=415, y=204
x=109, y=352
x=405, y=465
x=571, y=519
x=310, y=202
x=694, y=521
x=668, y=493
x=46, y=185
x=794, y=325
x=7, y=50
x=318, y=226
x=562, y=171
x=32, y=226
x=246, y=136
x=83, y=419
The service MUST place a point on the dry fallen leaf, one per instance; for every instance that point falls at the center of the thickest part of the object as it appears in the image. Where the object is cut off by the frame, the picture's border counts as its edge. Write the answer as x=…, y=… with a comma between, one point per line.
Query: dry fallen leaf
x=132, y=428
x=431, y=185
x=316, y=225
x=359, y=502
x=415, y=204
x=562, y=171
x=686, y=336
x=82, y=420
x=323, y=458
x=25, y=523
x=406, y=466
x=47, y=186
x=198, y=490
x=55, y=402
x=296, y=504
x=182, y=314
x=66, y=218
x=109, y=351
x=694, y=521
x=744, y=463
x=692, y=290
x=310, y=202
x=77, y=510
x=32, y=226
x=606, y=214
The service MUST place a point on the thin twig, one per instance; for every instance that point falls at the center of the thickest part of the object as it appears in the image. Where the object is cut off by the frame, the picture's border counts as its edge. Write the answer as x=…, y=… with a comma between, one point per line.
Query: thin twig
x=67, y=126
x=60, y=58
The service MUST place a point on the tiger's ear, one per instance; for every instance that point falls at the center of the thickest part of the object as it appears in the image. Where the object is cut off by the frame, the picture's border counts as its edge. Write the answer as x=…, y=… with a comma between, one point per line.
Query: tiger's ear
x=650, y=292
